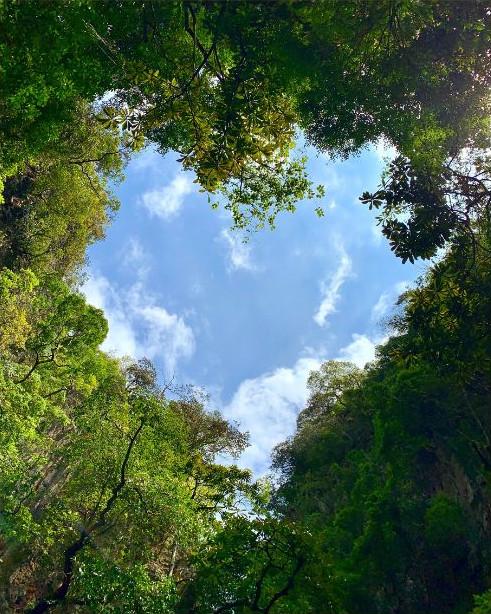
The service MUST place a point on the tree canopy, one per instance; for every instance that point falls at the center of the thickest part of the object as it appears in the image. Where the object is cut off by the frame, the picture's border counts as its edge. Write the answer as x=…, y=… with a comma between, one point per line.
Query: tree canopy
x=227, y=84
x=115, y=491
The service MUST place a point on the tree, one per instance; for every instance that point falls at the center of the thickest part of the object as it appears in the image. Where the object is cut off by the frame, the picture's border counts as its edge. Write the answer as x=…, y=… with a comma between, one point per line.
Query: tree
x=58, y=203
x=15, y=292
x=251, y=565
x=387, y=466
x=422, y=210
x=105, y=483
x=112, y=494
x=225, y=84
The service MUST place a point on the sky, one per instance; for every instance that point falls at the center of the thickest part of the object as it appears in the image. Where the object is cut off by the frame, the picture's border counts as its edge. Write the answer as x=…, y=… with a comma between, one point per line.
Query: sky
x=246, y=322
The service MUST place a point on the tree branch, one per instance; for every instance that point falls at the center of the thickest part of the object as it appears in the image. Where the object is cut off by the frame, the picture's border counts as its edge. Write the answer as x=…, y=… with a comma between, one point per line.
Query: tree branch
x=71, y=552
x=36, y=364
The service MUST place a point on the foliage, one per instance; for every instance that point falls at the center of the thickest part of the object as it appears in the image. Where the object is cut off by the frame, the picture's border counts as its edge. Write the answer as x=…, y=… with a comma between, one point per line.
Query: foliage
x=15, y=289
x=59, y=203
x=225, y=84
x=250, y=565
x=389, y=468
x=422, y=210
x=483, y=603
x=112, y=496
x=108, y=588
x=103, y=481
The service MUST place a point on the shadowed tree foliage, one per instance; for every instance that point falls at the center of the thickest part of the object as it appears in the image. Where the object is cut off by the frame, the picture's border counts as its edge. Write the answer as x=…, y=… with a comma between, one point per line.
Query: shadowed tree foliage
x=59, y=203
x=389, y=468
x=117, y=493
x=226, y=84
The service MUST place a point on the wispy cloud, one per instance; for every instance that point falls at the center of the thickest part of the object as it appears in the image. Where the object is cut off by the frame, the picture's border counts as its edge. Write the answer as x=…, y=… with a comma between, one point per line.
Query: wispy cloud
x=331, y=174
x=167, y=335
x=387, y=300
x=138, y=326
x=267, y=407
x=382, y=306
x=166, y=202
x=134, y=252
x=148, y=160
x=239, y=254
x=331, y=289
x=135, y=257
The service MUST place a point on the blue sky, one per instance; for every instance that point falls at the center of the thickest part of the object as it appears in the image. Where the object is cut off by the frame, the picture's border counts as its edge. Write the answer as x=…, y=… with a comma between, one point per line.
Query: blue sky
x=245, y=322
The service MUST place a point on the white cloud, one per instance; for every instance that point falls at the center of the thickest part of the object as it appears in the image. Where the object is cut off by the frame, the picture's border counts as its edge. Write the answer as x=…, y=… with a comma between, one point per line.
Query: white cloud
x=332, y=177
x=382, y=306
x=331, y=289
x=401, y=286
x=377, y=234
x=95, y=290
x=360, y=351
x=121, y=338
x=149, y=159
x=166, y=333
x=384, y=150
x=137, y=325
x=239, y=253
x=166, y=202
x=387, y=299
x=134, y=252
x=267, y=406
x=135, y=257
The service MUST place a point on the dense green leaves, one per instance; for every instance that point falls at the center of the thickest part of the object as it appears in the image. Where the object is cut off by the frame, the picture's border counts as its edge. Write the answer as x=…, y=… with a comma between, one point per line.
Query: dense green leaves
x=106, y=487
x=58, y=203
x=422, y=209
x=225, y=84
x=112, y=496
x=390, y=469
x=250, y=565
